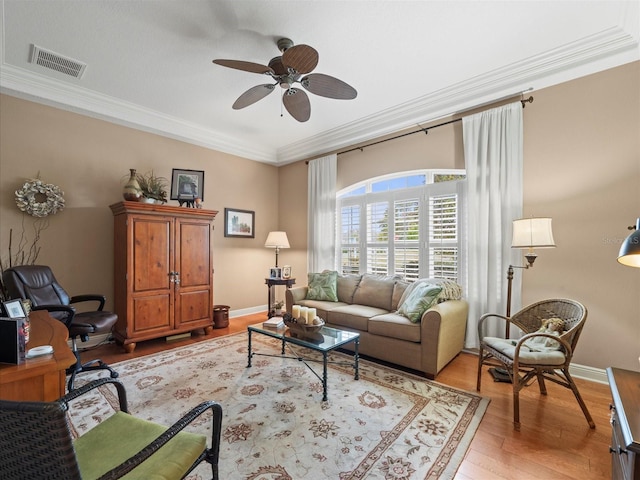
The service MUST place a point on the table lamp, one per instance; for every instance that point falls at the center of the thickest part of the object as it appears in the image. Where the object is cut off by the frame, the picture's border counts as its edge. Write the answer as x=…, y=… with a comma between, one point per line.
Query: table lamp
x=277, y=240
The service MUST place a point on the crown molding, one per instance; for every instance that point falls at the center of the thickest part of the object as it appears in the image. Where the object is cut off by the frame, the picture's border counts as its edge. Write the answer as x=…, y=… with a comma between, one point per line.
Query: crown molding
x=21, y=83
x=606, y=49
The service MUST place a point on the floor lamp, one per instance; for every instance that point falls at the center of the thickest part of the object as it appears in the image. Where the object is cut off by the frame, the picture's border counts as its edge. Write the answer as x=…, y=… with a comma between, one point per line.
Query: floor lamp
x=528, y=233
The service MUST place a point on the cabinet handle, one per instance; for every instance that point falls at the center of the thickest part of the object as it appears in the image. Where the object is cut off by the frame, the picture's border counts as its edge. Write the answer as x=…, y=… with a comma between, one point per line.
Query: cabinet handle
x=172, y=275
x=177, y=280
x=617, y=450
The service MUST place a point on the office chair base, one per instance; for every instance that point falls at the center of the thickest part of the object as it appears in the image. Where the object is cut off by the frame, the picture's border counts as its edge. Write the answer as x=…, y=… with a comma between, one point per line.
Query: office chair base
x=88, y=367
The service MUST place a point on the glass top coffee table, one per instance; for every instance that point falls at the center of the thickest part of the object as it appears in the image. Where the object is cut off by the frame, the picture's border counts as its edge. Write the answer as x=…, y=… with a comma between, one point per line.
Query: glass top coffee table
x=324, y=341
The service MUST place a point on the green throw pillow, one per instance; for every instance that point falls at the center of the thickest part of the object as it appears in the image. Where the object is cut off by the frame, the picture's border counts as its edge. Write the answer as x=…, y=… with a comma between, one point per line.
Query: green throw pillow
x=323, y=286
x=422, y=296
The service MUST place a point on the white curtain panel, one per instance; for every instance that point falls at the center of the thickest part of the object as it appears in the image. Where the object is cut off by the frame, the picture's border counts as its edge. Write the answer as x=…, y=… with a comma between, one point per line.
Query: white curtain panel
x=493, y=152
x=321, y=228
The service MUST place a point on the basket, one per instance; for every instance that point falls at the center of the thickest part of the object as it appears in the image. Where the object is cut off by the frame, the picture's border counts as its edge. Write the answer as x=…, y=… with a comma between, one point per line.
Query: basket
x=302, y=328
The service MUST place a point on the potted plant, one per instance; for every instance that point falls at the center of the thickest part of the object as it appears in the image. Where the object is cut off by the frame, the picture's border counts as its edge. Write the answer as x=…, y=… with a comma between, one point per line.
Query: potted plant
x=277, y=307
x=154, y=188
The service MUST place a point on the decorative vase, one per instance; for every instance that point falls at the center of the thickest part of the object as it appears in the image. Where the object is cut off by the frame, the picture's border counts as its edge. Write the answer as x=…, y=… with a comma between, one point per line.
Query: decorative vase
x=131, y=191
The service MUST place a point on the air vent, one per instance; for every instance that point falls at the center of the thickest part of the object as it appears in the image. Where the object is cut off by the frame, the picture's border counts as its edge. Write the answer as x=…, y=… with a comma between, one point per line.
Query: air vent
x=57, y=62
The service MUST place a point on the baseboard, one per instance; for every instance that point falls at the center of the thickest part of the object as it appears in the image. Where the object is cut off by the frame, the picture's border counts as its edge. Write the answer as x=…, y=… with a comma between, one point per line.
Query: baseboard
x=247, y=311
x=583, y=372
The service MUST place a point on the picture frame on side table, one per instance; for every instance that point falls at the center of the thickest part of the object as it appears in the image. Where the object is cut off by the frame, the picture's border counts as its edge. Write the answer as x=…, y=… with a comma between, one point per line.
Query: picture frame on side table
x=14, y=308
x=187, y=185
x=286, y=272
x=275, y=272
x=239, y=223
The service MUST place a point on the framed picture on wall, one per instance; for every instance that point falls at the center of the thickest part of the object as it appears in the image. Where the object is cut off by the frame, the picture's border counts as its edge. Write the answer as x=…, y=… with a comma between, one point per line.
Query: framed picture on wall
x=187, y=185
x=239, y=223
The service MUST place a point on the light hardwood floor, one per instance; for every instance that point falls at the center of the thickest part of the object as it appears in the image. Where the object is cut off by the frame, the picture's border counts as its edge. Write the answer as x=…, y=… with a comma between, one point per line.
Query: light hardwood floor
x=555, y=441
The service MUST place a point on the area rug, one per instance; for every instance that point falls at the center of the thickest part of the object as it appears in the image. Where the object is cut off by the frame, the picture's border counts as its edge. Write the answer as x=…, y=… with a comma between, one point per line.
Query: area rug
x=387, y=425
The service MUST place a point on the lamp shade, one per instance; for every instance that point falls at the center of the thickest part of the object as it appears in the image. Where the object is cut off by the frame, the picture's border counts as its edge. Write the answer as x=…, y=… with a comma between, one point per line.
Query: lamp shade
x=532, y=233
x=630, y=249
x=277, y=240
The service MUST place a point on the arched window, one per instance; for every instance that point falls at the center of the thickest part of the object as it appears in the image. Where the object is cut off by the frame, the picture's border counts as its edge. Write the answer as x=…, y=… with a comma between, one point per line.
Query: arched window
x=407, y=224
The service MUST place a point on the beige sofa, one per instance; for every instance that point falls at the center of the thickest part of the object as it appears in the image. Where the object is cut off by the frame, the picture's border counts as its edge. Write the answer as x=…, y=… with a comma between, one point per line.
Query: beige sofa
x=368, y=303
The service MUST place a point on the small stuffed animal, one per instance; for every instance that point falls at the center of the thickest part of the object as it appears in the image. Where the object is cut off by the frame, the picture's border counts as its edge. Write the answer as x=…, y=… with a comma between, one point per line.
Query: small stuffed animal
x=553, y=326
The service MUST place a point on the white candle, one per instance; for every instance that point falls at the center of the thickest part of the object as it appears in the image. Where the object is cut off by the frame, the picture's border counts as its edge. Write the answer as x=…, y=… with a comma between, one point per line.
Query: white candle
x=311, y=315
x=303, y=314
x=295, y=311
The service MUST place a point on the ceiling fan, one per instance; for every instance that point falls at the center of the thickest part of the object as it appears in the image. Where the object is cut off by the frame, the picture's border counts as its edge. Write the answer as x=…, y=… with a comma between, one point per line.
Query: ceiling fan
x=287, y=70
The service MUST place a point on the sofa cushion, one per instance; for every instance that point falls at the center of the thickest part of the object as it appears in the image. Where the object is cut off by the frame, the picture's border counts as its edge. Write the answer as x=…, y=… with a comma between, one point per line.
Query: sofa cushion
x=422, y=296
x=323, y=286
x=353, y=316
x=393, y=325
x=347, y=285
x=322, y=307
x=398, y=290
x=375, y=291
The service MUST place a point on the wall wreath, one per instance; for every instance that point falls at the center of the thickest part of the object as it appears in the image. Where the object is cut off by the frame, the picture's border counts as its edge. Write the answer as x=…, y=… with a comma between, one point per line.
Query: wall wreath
x=40, y=199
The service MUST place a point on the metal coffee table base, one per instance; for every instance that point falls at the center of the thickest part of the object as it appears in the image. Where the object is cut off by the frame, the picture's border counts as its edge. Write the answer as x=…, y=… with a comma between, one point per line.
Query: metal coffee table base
x=324, y=348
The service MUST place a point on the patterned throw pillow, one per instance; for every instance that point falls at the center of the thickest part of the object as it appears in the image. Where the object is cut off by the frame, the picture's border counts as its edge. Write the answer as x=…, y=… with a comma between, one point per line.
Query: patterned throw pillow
x=323, y=286
x=422, y=296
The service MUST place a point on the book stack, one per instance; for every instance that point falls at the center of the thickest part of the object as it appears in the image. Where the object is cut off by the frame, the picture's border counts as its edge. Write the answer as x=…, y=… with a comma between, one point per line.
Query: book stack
x=274, y=322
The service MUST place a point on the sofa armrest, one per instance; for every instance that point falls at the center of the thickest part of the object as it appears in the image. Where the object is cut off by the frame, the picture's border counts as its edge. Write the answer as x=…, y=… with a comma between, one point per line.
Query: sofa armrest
x=443, y=329
x=293, y=295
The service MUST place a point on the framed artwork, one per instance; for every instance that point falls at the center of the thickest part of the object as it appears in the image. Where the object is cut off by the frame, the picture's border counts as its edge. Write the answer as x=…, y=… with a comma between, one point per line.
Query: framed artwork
x=239, y=223
x=14, y=308
x=187, y=185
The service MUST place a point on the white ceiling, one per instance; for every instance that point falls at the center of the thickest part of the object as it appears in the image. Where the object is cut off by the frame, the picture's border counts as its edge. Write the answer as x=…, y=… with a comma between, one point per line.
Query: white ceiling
x=149, y=63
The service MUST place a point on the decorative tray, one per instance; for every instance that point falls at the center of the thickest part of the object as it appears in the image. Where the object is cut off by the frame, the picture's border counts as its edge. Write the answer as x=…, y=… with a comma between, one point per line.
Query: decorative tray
x=302, y=328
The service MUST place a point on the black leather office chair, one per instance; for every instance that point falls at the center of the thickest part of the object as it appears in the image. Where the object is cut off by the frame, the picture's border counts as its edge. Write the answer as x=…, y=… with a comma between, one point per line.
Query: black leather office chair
x=38, y=284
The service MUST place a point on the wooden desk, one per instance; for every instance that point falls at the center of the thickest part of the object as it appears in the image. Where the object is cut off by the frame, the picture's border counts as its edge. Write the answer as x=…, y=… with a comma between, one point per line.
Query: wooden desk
x=40, y=378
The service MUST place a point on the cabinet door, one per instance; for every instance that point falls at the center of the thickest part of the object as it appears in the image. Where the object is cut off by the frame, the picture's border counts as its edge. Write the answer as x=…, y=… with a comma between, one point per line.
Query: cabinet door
x=152, y=262
x=193, y=295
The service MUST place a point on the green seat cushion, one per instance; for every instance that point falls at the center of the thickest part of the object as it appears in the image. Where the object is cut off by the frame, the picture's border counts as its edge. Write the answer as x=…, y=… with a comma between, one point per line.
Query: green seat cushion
x=323, y=286
x=121, y=436
x=422, y=296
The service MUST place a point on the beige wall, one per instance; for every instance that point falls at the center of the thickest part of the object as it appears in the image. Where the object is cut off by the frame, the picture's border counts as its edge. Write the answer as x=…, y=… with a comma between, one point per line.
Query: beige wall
x=90, y=159
x=582, y=168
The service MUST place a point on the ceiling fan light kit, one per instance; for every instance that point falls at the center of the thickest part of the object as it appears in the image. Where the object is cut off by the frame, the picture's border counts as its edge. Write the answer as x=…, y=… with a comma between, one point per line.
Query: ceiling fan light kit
x=287, y=70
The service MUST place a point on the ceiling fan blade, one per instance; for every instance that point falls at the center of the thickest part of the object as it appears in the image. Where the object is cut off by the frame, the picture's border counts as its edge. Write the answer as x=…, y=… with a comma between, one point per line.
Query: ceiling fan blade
x=328, y=86
x=252, y=95
x=297, y=104
x=302, y=58
x=244, y=66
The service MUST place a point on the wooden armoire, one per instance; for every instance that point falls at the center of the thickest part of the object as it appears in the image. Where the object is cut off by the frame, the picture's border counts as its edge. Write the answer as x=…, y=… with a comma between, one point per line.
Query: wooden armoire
x=163, y=277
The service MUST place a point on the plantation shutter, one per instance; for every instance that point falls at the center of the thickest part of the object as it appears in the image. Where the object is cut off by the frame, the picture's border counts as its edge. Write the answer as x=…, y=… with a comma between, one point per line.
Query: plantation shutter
x=444, y=239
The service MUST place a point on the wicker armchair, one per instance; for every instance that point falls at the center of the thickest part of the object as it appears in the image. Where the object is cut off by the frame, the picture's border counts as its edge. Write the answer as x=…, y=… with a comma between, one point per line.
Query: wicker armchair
x=36, y=442
x=523, y=360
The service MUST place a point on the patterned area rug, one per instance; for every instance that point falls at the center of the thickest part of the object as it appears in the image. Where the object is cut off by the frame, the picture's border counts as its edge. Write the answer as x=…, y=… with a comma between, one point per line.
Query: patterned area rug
x=386, y=425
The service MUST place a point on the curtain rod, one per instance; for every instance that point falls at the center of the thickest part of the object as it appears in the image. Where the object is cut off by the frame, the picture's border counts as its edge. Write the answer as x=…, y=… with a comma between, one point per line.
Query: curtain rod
x=422, y=129
x=426, y=129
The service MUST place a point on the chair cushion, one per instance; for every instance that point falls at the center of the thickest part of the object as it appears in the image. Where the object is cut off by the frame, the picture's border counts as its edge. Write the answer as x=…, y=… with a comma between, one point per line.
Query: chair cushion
x=121, y=436
x=323, y=286
x=422, y=296
x=546, y=356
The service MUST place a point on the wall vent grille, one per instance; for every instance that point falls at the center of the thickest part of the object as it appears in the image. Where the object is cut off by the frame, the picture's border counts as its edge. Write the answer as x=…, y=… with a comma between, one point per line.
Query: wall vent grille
x=57, y=62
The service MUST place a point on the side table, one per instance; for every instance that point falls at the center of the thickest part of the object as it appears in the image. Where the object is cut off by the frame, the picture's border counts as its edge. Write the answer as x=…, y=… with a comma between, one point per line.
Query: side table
x=271, y=282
